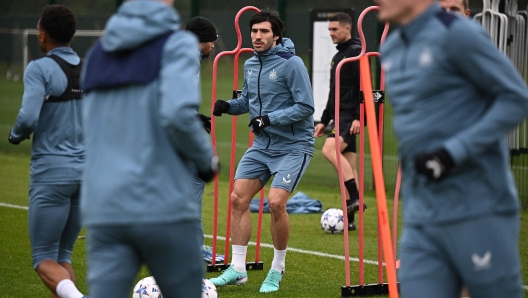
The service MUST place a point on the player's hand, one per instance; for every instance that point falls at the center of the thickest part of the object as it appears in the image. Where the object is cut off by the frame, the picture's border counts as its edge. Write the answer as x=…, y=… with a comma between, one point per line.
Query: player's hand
x=12, y=140
x=319, y=130
x=435, y=165
x=354, y=129
x=206, y=122
x=258, y=123
x=221, y=107
x=209, y=174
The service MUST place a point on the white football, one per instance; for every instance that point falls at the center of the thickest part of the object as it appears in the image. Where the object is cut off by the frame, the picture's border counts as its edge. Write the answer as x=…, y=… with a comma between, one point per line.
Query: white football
x=147, y=288
x=332, y=221
x=208, y=289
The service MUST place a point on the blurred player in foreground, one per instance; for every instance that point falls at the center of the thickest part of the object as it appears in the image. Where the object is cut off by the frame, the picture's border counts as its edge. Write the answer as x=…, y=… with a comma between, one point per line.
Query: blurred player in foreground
x=461, y=7
x=455, y=97
x=278, y=95
x=144, y=148
x=206, y=33
x=340, y=26
x=51, y=110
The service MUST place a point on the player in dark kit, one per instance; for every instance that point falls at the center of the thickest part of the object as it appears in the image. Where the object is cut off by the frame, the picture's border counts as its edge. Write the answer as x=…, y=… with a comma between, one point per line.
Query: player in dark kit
x=339, y=26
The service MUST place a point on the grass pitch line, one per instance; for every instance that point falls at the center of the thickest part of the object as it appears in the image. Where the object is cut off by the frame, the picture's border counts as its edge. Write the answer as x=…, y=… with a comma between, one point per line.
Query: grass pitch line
x=14, y=206
x=303, y=251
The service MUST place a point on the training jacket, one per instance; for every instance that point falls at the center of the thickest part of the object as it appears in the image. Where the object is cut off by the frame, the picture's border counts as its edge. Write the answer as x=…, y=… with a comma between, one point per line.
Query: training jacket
x=451, y=88
x=57, y=153
x=349, y=90
x=276, y=84
x=144, y=142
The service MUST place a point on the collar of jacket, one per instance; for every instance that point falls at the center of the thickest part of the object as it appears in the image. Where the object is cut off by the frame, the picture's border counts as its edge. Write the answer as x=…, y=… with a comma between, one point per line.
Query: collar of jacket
x=278, y=48
x=415, y=26
x=345, y=44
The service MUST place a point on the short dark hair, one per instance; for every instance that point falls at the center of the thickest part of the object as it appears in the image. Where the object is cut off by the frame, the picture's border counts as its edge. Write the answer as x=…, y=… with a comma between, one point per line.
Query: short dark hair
x=342, y=18
x=277, y=26
x=465, y=3
x=59, y=23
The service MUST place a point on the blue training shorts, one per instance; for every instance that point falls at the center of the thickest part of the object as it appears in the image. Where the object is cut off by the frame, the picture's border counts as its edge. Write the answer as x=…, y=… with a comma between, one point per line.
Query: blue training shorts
x=54, y=221
x=480, y=253
x=287, y=167
x=171, y=251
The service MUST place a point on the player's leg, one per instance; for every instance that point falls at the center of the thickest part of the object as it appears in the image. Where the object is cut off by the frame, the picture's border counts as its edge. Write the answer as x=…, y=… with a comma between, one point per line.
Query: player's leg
x=70, y=232
x=251, y=175
x=425, y=270
x=49, y=210
x=487, y=255
x=280, y=222
x=329, y=152
x=173, y=257
x=348, y=163
x=288, y=169
x=351, y=183
x=113, y=262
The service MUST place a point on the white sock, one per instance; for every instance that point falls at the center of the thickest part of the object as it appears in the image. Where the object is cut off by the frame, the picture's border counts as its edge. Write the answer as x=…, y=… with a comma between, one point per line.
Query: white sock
x=238, y=257
x=67, y=289
x=279, y=260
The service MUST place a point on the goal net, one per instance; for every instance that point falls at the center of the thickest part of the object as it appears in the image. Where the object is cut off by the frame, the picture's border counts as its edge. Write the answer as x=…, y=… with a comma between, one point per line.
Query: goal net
x=21, y=46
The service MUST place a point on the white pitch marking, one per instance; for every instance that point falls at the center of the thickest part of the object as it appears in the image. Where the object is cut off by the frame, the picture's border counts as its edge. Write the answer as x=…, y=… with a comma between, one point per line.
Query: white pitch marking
x=303, y=251
x=14, y=206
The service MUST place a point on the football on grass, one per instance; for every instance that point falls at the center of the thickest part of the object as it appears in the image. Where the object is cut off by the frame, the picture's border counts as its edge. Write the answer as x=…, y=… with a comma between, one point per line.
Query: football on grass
x=208, y=289
x=147, y=288
x=332, y=221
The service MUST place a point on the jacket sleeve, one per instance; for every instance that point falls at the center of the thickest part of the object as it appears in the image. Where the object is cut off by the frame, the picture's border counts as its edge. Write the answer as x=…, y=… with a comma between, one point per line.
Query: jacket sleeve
x=326, y=117
x=490, y=71
x=32, y=101
x=239, y=105
x=180, y=97
x=352, y=79
x=299, y=83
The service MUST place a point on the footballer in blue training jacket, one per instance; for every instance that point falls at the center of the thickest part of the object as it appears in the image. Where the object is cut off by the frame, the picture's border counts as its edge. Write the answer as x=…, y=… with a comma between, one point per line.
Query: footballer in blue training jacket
x=455, y=97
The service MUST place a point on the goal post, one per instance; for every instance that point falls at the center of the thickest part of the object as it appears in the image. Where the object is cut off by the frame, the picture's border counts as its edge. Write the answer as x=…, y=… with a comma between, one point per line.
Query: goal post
x=22, y=47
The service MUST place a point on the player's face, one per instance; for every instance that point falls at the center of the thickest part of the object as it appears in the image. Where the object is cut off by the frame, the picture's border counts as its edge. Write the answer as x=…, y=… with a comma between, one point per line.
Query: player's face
x=262, y=37
x=454, y=6
x=206, y=48
x=395, y=11
x=338, y=32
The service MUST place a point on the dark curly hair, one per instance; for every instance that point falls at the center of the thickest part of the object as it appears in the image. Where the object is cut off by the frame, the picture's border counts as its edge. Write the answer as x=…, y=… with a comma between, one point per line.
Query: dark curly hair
x=59, y=23
x=277, y=26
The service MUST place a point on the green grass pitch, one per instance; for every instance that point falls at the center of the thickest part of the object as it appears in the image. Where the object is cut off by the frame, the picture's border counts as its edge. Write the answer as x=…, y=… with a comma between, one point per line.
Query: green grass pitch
x=313, y=269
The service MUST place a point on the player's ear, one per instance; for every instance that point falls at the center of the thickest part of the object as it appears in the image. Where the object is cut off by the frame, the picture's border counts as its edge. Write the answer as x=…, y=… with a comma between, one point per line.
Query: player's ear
x=276, y=37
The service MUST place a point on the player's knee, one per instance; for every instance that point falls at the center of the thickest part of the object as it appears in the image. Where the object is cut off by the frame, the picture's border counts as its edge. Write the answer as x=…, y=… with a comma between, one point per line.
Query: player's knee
x=238, y=202
x=328, y=152
x=276, y=205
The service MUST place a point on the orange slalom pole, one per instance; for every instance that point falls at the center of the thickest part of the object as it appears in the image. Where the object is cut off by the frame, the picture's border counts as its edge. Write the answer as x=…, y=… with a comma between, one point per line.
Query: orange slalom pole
x=395, y=210
x=261, y=212
x=236, y=51
x=378, y=177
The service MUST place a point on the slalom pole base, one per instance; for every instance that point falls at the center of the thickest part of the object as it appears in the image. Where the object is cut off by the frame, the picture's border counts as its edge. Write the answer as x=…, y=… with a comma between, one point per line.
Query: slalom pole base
x=218, y=267
x=366, y=290
x=255, y=266
x=222, y=266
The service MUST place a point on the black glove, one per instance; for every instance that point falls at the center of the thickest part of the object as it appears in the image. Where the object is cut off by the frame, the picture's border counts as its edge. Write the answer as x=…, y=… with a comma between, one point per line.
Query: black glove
x=434, y=165
x=209, y=174
x=11, y=140
x=221, y=107
x=206, y=122
x=259, y=123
